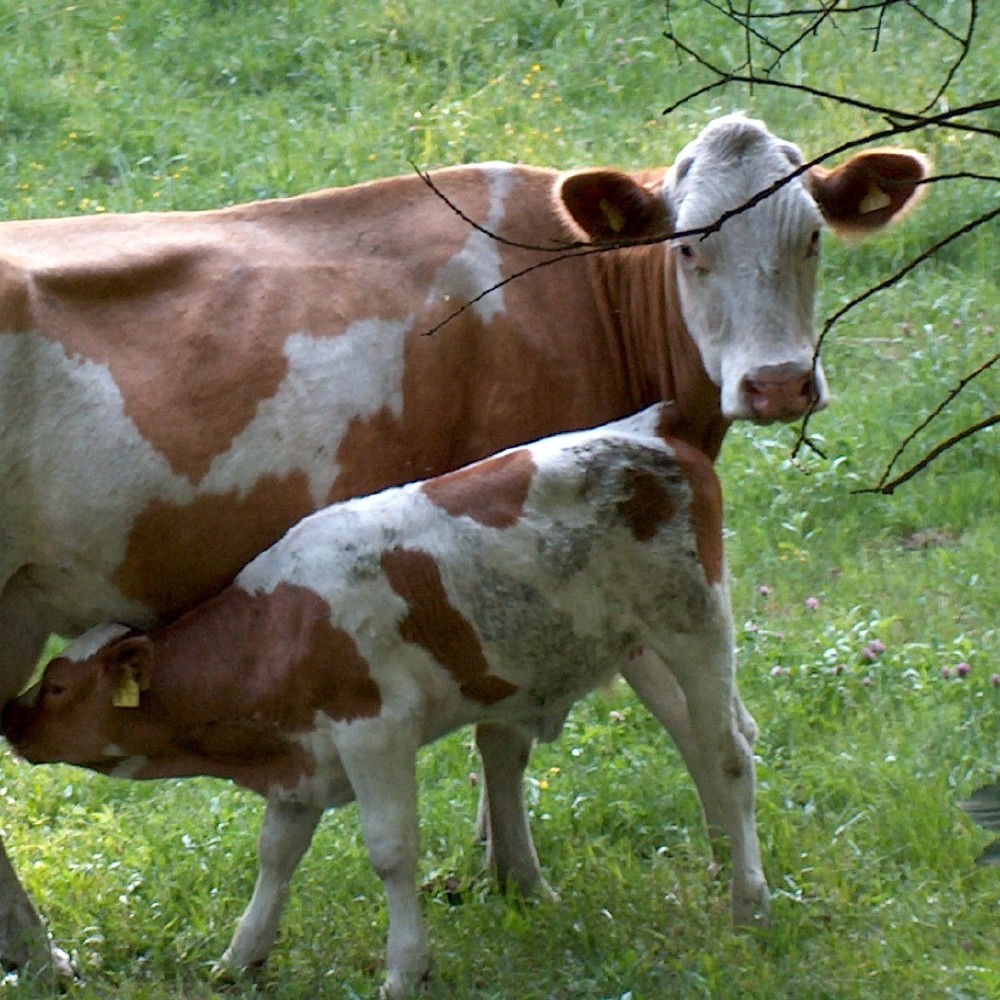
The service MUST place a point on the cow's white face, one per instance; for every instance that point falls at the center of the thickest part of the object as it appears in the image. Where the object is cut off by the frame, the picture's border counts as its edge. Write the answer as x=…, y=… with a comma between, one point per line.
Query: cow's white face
x=747, y=290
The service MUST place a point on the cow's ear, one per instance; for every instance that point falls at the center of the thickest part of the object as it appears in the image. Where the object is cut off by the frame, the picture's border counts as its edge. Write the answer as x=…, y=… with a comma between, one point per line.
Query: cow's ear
x=129, y=664
x=610, y=206
x=870, y=190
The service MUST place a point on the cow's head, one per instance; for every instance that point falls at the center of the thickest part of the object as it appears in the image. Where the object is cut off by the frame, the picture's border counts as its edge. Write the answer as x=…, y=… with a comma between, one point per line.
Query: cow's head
x=746, y=287
x=79, y=712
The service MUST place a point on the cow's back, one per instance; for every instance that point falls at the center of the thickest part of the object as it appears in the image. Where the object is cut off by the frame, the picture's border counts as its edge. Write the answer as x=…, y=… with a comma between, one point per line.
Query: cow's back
x=196, y=382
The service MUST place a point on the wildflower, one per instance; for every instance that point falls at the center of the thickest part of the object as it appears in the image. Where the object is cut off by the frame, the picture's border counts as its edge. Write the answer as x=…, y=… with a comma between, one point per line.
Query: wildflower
x=946, y=672
x=866, y=681
x=473, y=778
x=764, y=590
x=873, y=650
x=777, y=671
x=995, y=680
x=812, y=603
x=962, y=669
x=615, y=716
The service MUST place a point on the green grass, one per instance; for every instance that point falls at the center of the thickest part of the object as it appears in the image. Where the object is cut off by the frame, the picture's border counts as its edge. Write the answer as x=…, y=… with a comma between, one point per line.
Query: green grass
x=190, y=103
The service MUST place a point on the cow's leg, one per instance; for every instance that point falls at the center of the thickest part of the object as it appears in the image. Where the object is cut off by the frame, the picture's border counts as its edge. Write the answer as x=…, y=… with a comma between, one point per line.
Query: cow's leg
x=381, y=768
x=284, y=837
x=503, y=817
x=705, y=674
x=660, y=692
x=23, y=633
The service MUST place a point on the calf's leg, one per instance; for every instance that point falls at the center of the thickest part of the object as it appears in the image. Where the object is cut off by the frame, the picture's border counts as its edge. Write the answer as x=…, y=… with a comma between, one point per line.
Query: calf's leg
x=381, y=768
x=284, y=838
x=660, y=692
x=705, y=672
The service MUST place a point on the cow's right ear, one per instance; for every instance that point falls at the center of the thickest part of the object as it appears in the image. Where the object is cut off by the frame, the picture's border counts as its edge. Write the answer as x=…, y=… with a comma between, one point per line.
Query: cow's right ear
x=129, y=664
x=610, y=206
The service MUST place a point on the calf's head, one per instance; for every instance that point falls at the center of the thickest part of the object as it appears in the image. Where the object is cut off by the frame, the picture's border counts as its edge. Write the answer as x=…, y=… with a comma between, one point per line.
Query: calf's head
x=746, y=280
x=83, y=710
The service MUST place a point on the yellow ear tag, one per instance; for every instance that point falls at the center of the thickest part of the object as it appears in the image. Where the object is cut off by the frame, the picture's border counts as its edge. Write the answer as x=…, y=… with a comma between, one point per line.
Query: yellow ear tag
x=127, y=694
x=612, y=215
x=875, y=199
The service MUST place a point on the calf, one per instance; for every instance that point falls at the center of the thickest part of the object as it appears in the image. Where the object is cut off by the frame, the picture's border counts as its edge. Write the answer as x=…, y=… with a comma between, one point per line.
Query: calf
x=498, y=594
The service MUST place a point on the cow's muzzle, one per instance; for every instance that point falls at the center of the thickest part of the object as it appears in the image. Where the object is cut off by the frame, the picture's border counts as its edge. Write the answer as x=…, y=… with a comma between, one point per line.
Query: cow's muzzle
x=781, y=392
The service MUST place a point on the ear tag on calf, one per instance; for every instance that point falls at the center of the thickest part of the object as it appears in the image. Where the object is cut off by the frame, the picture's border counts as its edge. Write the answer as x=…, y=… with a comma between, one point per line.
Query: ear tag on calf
x=127, y=693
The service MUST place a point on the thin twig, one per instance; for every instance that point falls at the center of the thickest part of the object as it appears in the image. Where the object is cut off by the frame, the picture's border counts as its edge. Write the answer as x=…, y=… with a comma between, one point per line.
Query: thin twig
x=889, y=488
x=965, y=380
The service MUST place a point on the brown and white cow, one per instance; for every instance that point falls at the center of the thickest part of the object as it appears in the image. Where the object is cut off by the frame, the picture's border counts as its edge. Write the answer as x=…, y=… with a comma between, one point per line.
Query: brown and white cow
x=498, y=594
x=177, y=389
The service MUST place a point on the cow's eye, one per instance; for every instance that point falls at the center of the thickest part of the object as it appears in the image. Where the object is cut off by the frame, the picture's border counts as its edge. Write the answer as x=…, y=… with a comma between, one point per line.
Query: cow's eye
x=691, y=257
x=53, y=690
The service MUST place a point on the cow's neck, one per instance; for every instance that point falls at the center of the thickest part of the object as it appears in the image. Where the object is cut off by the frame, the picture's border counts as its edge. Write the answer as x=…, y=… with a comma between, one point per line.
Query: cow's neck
x=640, y=307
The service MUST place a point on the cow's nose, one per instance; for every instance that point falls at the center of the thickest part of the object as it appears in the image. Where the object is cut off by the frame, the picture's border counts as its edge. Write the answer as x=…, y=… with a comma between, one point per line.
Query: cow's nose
x=775, y=394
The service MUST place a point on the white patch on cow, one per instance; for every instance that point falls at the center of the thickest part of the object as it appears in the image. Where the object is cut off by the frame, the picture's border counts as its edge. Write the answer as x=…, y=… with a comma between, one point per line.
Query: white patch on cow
x=85, y=646
x=65, y=438
x=331, y=382
x=476, y=267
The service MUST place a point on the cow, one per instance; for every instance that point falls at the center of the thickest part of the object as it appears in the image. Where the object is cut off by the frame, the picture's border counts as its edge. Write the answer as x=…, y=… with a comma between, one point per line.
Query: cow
x=178, y=389
x=498, y=594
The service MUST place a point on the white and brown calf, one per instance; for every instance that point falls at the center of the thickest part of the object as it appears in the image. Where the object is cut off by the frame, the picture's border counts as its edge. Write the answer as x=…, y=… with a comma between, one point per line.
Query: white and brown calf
x=499, y=595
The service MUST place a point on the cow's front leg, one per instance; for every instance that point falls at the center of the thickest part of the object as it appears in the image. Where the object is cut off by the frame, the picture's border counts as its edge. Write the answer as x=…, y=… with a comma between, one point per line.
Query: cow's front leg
x=381, y=767
x=24, y=943
x=503, y=817
x=284, y=838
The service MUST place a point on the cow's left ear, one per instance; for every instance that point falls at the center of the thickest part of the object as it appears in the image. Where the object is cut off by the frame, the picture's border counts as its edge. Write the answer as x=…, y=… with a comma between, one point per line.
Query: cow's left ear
x=129, y=664
x=610, y=206
x=870, y=190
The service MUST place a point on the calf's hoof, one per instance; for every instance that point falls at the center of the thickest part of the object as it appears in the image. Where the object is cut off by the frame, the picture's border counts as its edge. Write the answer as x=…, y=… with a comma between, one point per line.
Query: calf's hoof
x=752, y=906
x=225, y=970
x=397, y=986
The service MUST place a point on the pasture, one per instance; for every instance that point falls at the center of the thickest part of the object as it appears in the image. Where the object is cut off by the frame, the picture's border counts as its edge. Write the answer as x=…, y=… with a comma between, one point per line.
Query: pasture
x=866, y=625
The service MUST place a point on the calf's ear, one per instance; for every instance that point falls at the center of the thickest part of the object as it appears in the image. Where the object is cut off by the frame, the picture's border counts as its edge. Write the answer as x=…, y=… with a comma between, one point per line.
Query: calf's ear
x=610, y=206
x=129, y=664
x=870, y=190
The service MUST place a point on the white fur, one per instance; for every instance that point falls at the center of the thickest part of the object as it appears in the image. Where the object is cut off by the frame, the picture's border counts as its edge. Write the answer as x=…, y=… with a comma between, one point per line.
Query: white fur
x=751, y=308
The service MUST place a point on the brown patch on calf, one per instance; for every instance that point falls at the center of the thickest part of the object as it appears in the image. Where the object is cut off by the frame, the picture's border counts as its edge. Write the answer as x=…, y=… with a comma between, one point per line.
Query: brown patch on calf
x=263, y=661
x=493, y=493
x=179, y=555
x=435, y=624
x=648, y=505
x=706, y=507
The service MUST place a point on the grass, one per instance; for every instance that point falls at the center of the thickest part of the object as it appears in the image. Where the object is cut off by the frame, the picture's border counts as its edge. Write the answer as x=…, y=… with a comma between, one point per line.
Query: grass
x=110, y=106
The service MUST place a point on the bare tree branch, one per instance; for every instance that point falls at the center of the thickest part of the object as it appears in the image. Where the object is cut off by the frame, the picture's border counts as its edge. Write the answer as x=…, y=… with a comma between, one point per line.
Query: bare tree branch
x=971, y=376
x=936, y=452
